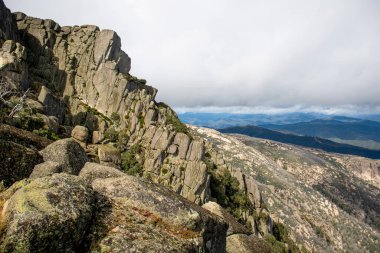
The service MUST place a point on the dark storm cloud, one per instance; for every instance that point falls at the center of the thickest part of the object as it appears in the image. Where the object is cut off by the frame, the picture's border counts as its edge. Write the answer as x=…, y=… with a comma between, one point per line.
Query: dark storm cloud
x=242, y=54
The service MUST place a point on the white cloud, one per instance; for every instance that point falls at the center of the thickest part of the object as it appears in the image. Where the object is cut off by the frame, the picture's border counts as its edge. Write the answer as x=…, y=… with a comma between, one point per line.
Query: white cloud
x=249, y=54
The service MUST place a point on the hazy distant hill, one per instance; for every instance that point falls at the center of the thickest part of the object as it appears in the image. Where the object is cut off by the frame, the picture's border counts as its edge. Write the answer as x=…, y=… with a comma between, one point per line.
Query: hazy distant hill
x=223, y=120
x=353, y=131
x=305, y=141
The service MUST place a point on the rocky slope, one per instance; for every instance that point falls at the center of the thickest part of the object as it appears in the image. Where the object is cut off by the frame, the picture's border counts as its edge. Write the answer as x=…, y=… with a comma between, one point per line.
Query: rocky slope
x=124, y=174
x=329, y=202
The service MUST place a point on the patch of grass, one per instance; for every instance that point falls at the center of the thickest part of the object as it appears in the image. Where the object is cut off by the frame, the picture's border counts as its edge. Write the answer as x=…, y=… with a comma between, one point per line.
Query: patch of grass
x=95, y=112
x=47, y=133
x=28, y=122
x=178, y=126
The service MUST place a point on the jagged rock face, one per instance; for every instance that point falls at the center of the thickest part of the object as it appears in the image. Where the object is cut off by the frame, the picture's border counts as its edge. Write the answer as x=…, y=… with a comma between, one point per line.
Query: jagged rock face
x=8, y=29
x=13, y=67
x=81, y=76
x=80, y=64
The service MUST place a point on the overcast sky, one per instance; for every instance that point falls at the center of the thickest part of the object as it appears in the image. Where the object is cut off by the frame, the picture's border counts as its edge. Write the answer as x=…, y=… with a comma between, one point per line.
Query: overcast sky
x=248, y=54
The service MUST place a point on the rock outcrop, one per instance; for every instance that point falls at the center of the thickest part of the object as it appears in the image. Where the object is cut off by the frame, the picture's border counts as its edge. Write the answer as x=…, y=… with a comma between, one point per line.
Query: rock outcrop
x=81, y=77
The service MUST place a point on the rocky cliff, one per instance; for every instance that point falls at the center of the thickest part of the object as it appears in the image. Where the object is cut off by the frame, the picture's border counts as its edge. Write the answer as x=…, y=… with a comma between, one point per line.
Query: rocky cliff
x=80, y=76
x=103, y=185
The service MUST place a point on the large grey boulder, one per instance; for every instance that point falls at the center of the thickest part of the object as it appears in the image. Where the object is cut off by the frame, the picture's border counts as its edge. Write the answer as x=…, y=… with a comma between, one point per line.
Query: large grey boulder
x=234, y=227
x=68, y=153
x=80, y=133
x=241, y=243
x=45, y=169
x=92, y=171
x=49, y=214
x=137, y=216
x=108, y=154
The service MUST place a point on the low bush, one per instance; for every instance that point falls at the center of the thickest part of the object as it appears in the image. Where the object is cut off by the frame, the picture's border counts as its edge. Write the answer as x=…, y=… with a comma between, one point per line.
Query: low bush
x=130, y=163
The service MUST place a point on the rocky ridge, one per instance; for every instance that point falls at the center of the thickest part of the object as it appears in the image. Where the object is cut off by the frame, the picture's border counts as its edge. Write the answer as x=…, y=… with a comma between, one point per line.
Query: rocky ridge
x=75, y=82
x=81, y=77
x=320, y=197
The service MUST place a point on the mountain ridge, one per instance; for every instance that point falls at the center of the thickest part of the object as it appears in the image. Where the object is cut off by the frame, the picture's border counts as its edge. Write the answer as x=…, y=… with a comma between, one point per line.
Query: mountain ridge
x=305, y=141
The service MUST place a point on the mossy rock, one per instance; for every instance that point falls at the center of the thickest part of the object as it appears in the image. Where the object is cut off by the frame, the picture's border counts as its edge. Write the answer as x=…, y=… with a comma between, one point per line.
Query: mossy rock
x=49, y=214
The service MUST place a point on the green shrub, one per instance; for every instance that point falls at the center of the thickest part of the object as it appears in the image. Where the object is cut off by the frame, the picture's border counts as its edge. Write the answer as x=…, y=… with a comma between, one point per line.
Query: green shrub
x=141, y=120
x=225, y=188
x=276, y=246
x=111, y=134
x=129, y=162
x=115, y=117
x=283, y=241
x=27, y=122
x=178, y=126
x=122, y=140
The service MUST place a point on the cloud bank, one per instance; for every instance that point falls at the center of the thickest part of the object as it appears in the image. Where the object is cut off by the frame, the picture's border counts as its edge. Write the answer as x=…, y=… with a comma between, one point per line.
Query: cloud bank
x=241, y=54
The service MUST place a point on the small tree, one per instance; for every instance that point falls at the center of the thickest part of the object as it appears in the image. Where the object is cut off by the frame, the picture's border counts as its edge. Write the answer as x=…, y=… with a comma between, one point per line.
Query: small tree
x=20, y=105
x=6, y=91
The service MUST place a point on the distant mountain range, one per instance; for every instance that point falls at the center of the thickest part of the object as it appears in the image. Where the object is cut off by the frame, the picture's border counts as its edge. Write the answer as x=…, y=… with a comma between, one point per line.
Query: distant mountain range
x=364, y=133
x=305, y=141
x=223, y=120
